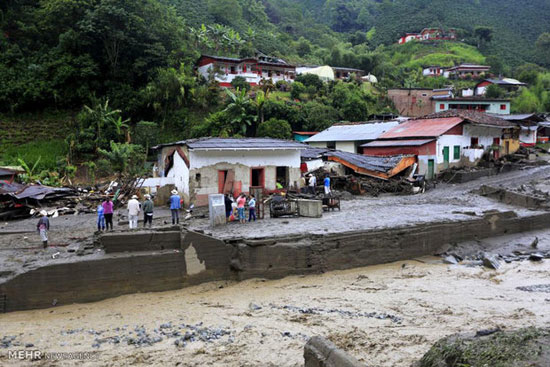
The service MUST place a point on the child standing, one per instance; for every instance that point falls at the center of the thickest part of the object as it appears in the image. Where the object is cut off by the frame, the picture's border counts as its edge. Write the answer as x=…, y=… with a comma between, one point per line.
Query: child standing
x=43, y=226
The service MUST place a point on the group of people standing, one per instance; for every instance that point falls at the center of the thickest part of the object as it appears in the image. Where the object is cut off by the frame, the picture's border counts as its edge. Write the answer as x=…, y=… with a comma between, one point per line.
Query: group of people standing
x=105, y=212
x=312, y=184
x=236, y=208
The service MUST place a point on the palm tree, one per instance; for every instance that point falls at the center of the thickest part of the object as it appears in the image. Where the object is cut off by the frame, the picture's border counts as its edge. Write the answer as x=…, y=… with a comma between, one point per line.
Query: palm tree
x=238, y=110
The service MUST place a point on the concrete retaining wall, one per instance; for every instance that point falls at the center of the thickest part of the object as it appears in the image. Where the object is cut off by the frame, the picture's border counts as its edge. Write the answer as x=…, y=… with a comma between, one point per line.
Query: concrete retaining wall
x=512, y=198
x=320, y=352
x=140, y=241
x=201, y=258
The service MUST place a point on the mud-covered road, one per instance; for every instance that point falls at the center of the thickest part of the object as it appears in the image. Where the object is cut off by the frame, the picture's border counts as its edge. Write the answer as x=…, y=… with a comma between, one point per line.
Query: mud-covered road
x=387, y=315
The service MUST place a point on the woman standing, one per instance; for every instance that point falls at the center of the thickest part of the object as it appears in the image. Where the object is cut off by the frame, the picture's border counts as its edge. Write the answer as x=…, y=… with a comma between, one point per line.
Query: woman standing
x=108, y=212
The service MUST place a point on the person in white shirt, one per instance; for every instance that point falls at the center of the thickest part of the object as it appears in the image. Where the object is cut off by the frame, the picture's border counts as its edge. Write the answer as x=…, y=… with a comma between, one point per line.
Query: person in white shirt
x=312, y=184
x=133, y=212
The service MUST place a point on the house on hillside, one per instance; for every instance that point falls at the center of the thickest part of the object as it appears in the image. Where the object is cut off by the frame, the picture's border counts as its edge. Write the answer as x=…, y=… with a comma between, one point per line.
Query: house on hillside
x=348, y=137
x=448, y=139
x=463, y=71
x=497, y=106
x=416, y=102
x=508, y=84
x=328, y=73
x=429, y=34
x=205, y=166
x=433, y=70
x=253, y=69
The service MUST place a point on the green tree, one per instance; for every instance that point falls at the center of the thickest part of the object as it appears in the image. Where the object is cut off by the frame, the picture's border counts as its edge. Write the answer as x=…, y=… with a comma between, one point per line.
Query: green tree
x=494, y=91
x=274, y=128
x=238, y=111
x=240, y=82
x=543, y=45
x=169, y=90
x=146, y=133
x=526, y=102
x=296, y=90
x=126, y=159
x=483, y=34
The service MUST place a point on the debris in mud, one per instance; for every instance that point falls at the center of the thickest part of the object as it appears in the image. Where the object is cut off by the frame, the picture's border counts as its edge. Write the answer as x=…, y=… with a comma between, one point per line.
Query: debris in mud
x=352, y=314
x=140, y=337
x=490, y=261
x=9, y=341
x=486, y=332
x=536, y=257
x=544, y=288
x=519, y=348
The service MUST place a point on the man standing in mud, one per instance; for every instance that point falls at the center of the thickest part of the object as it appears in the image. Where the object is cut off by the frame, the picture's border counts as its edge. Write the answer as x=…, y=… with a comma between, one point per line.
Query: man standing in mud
x=43, y=227
x=175, y=205
x=148, y=208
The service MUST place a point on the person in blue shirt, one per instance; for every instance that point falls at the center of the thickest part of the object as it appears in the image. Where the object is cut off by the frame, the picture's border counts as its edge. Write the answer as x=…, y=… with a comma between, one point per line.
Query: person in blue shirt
x=175, y=206
x=252, y=208
x=100, y=218
x=327, y=185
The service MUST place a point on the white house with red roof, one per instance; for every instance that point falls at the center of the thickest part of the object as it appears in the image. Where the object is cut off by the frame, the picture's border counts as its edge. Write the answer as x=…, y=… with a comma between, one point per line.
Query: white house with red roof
x=253, y=69
x=443, y=140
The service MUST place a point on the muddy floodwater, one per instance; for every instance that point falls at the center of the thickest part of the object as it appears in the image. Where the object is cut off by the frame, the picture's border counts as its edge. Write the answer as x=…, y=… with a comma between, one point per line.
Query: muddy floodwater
x=386, y=315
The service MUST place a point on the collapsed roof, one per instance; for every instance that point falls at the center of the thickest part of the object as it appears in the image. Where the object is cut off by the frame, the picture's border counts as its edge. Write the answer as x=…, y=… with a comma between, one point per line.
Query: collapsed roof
x=373, y=166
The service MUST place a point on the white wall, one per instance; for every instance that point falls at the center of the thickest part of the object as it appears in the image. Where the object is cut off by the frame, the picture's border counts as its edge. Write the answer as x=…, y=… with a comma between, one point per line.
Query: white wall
x=528, y=135
x=250, y=77
x=346, y=146
x=180, y=173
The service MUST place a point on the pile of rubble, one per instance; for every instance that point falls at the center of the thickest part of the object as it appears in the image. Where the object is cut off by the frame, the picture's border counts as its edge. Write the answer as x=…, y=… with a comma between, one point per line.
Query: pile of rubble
x=355, y=184
x=18, y=201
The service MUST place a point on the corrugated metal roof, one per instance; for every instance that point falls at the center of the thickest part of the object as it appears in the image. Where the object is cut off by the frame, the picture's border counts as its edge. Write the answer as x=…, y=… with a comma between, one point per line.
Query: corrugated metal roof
x=518, y=117
x=506, y=81
x=236, y=144
x=476, y=117
x=397, y=143
x=353, y=132
x=371, y=163
x=423, y=128
x=5, y=171
x=313, y=153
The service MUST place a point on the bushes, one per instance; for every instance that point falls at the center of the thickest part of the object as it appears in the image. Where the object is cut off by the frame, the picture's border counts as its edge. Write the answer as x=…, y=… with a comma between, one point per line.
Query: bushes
x=274, y=128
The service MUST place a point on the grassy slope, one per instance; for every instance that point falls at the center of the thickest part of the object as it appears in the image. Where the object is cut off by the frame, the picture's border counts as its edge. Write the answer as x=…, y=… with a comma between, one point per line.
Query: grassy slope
x=414, y=55
x=32, y=136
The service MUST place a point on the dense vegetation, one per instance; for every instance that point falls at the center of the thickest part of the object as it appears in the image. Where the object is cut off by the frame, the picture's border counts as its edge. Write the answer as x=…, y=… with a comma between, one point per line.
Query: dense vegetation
x=119, y=73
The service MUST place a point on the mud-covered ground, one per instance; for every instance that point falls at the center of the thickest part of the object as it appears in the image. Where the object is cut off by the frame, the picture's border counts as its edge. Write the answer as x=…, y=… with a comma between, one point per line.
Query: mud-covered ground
x=20, y=245
x=386, y=315
x=445, y=203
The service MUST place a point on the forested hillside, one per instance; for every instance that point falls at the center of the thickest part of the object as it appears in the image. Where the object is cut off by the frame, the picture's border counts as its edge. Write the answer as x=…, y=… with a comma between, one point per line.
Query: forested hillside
x=122, y=71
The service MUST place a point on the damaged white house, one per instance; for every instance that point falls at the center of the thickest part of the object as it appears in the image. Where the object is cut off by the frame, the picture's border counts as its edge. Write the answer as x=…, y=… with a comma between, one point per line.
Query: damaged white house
x=205, y=166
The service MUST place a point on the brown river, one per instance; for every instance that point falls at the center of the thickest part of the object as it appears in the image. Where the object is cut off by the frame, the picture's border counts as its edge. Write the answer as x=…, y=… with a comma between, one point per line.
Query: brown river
x=386, y=315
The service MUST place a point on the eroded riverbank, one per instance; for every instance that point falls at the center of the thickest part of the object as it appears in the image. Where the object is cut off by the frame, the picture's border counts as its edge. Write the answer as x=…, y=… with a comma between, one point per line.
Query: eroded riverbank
x=386, y=315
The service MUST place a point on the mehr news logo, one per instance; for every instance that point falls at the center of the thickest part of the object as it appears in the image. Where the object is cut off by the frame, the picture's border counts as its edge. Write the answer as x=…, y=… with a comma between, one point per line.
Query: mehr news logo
x=35, y=355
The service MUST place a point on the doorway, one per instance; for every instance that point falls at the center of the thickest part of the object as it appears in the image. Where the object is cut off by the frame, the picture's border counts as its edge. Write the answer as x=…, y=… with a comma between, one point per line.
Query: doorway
x=496, y=148
x=225, y=181
x=257, y=177
x=446, y=157
x=282, y=176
